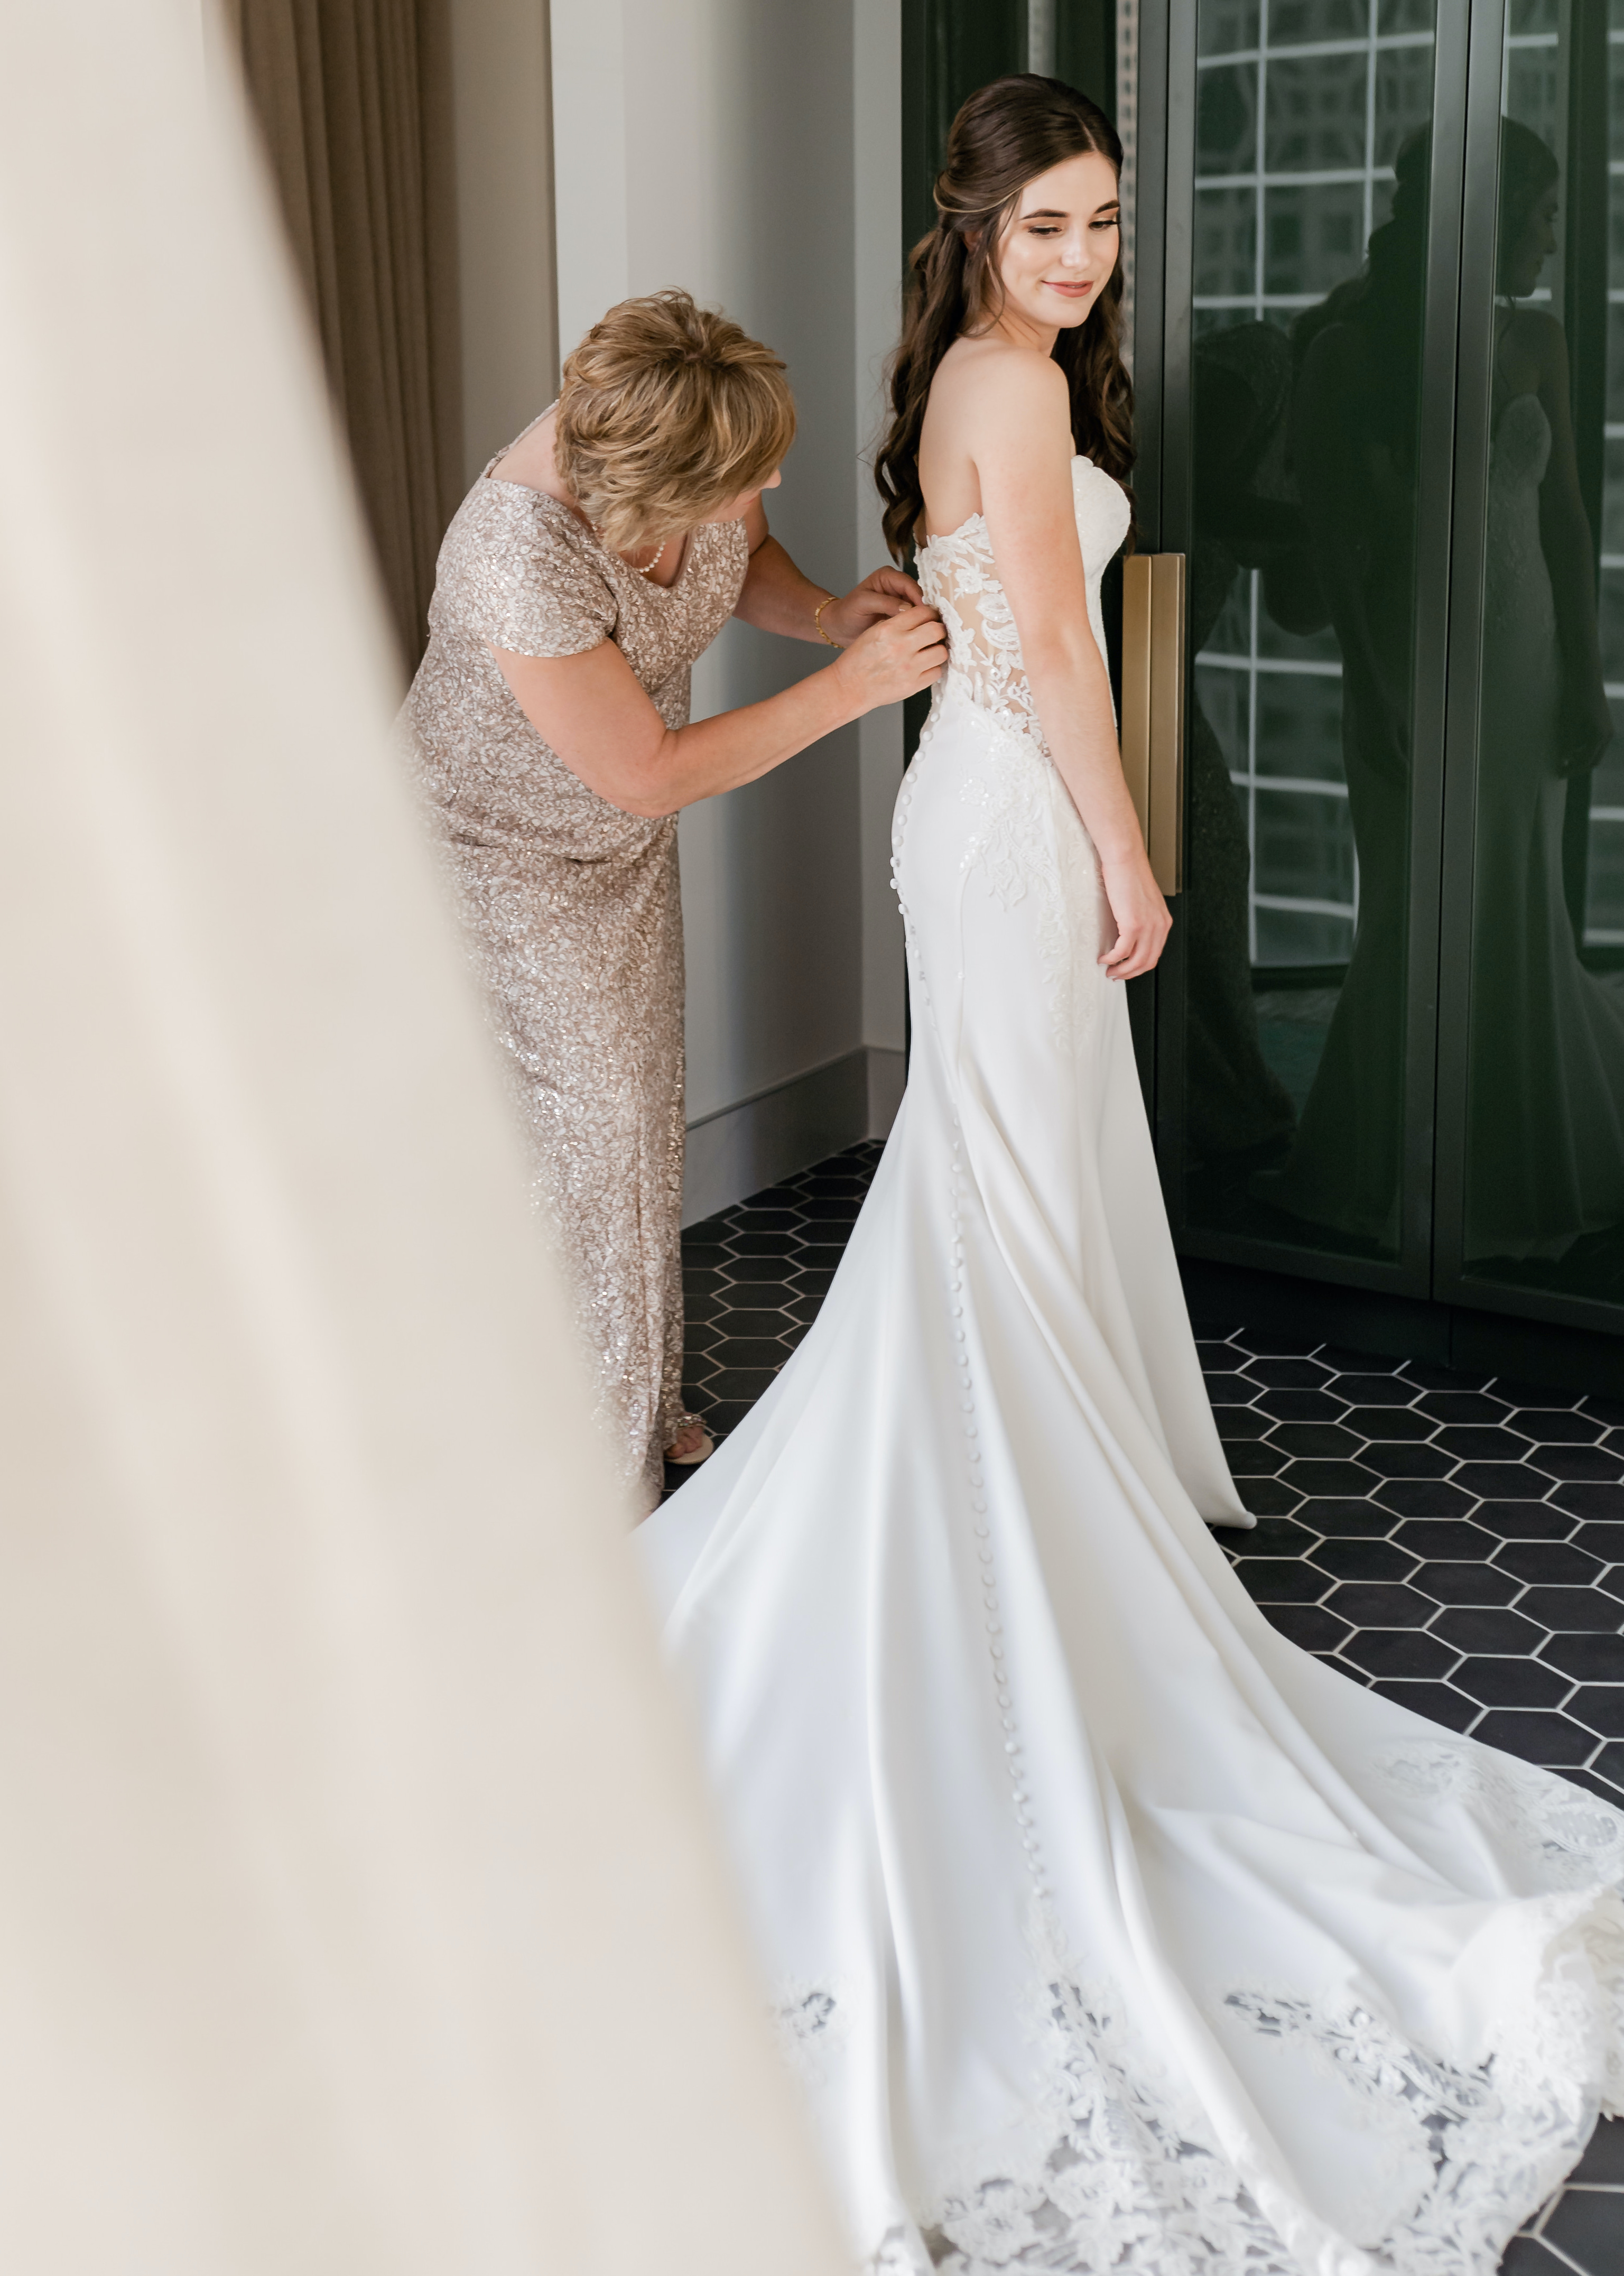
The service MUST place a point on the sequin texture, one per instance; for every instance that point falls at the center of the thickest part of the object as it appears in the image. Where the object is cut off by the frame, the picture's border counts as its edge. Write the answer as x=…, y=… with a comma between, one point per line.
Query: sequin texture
x=572, y=911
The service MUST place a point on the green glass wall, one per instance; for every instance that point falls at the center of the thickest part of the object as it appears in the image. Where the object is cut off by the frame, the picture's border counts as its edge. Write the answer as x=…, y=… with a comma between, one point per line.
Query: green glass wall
x=1313, y=168
x=1532, y=1089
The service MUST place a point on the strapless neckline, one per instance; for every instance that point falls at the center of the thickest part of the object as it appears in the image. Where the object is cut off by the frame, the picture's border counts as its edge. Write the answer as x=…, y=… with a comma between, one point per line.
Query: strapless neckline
x=979, y=519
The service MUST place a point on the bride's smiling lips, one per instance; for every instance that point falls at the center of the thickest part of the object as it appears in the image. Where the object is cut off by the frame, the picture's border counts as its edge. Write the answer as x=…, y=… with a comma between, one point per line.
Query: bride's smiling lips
x=1072, y=292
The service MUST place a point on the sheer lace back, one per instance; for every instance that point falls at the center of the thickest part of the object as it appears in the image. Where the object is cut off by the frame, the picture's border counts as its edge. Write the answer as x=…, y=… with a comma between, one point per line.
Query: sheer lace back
x=957, y=575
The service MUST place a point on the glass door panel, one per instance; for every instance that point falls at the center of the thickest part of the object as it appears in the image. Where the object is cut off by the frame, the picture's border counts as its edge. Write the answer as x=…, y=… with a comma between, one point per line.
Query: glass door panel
x=1532, y=1142
x=1310, y=252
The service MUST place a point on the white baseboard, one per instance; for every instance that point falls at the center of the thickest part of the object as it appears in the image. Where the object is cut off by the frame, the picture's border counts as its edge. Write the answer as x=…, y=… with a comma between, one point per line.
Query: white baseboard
x=740, y=1149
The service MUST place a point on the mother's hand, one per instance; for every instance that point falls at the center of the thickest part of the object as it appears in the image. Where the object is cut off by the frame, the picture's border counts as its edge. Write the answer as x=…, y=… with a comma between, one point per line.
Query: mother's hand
x=883, y=593
x=897, y=657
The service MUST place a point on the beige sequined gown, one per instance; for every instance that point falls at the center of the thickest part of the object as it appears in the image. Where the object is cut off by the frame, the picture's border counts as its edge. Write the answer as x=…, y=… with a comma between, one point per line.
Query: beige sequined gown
x=572, y=911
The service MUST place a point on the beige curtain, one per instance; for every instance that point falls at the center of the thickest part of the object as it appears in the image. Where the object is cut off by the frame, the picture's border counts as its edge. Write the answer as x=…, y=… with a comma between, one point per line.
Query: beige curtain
x=355, y=100
x=360, y=1913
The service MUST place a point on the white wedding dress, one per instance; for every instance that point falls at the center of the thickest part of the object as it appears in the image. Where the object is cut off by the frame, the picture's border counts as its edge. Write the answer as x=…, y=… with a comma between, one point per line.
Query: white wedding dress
x=1107, y=1930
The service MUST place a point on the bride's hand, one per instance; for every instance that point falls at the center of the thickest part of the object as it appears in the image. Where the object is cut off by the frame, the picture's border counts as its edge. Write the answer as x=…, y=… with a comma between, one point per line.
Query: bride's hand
x=1586, y=727
x=1141, y=914
x=883, y=593
x=893, y=659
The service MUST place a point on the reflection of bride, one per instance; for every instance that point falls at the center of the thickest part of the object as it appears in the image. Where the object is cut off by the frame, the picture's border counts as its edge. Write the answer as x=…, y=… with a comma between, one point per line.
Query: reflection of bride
x=1107, y=1930
x=1546, y=1117
x=1353, y=444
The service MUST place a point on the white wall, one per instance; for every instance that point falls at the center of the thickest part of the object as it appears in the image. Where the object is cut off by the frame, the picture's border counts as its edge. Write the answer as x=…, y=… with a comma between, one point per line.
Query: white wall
x=748, y=150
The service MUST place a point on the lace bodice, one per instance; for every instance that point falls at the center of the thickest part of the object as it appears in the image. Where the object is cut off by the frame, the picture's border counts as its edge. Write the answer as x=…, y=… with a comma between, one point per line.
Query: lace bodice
x=957, y=575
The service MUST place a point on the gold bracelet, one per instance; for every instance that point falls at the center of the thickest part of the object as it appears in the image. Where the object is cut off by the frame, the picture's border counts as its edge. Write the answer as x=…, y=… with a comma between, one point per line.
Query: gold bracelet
x=817, y=616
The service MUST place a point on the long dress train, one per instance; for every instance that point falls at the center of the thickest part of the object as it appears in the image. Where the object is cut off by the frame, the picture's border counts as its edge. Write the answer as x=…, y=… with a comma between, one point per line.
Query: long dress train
x=1108, y=1930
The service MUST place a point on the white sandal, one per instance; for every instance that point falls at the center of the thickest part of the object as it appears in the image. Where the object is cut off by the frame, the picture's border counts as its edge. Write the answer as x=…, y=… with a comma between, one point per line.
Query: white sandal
x=702, y=1453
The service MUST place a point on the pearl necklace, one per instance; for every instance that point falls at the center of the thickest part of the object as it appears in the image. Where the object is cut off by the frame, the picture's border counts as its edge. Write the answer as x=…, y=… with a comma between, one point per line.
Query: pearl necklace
x=653, y=565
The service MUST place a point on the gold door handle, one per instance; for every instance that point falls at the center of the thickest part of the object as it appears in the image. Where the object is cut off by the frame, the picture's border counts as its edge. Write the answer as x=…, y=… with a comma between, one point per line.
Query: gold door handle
x=1153, y=707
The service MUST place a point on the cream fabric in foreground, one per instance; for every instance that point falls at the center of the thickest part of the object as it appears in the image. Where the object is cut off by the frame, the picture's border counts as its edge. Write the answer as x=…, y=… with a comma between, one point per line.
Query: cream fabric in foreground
x=358, y=1909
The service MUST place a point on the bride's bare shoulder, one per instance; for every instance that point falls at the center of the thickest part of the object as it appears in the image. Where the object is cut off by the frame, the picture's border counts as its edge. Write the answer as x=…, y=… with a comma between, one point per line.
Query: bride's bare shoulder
x=995, y=409
x=992, y=379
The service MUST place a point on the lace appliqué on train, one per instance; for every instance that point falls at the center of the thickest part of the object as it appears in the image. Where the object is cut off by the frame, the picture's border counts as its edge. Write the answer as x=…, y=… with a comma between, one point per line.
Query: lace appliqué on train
x=810, y=2021
x=1467, y=2150
x=1130, y=2178
x=1573, y=1839
x=1129, y=2182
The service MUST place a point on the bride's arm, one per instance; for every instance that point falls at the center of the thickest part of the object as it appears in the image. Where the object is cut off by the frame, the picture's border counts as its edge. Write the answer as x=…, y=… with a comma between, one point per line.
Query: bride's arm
x=1025, y=469
x=777, y=598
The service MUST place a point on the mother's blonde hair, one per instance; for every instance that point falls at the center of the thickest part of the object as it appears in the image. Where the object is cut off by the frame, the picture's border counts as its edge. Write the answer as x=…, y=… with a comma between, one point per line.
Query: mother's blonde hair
x=667, y=411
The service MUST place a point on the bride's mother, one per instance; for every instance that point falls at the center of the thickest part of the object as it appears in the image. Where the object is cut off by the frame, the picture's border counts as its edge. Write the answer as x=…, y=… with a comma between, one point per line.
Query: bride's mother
x=585, y=571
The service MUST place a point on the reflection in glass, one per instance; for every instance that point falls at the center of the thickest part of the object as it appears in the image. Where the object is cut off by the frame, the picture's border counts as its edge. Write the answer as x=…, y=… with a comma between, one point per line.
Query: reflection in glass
x=1545, y=1182
x=1238, y=1109
x=1306, y=385
x=1353, y=444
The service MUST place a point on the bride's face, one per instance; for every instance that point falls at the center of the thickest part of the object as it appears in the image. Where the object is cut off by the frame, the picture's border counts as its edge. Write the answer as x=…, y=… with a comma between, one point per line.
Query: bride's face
x=1060, y=249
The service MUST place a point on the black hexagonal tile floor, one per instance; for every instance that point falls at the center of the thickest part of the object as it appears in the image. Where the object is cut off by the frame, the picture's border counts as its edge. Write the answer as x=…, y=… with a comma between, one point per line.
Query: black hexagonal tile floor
x=1289, y=1374
x=1580, y=1462
x=1308, y=1407
x=1459, y=1406
x=1536, y=1736
x=1317, y=1441
x=1387, y=1423
x=1460, y=1582
x=1586, y=2227
x=1520, y=1521
x=1309, y=1626
x=1557, y=1564
x=1349, y=1520
x=1472, y=1630
x=1363, y=1560
x=1407, y=1460
x=1599, y=1707
x=1455, y=1541
x=1384, y=1388
x=1436, y=1701
x=1400, y=1652
x=1511, y=1683
x=1557, y=1427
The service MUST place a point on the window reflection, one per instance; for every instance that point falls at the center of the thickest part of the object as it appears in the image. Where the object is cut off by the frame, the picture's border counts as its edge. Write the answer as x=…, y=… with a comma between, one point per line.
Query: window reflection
x=1238, y=1109
x=1353, y=438
x=1313, y=171
x=1310, y=231
x=1545, y=1132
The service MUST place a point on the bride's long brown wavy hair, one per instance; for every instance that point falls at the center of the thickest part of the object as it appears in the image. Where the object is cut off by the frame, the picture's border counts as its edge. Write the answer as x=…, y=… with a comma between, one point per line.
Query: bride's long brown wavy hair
x=1005, y=135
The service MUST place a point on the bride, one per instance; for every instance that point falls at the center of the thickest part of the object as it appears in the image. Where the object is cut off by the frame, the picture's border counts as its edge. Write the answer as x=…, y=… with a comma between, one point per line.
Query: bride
x=1107, y=1930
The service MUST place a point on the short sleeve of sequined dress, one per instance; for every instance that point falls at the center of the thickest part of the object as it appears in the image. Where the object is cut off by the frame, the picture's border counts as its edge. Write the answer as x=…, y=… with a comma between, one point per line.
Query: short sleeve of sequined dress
x=517, y=570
